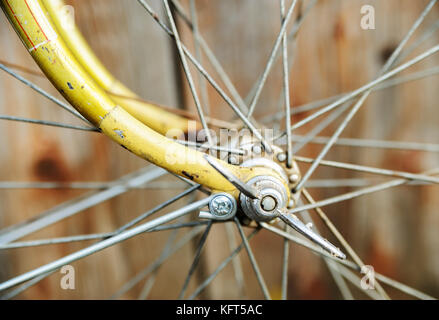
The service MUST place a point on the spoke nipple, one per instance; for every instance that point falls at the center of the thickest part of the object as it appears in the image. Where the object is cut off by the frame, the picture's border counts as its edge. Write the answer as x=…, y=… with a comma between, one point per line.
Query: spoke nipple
x=257, y=149
x=281, y=157
x=291, y=203
x=294, y=178
x=233, y=160
x=309, y=225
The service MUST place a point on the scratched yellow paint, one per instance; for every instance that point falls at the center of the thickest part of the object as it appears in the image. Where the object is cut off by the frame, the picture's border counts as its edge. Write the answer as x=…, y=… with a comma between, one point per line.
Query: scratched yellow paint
x=45, y=44
x=153, y=116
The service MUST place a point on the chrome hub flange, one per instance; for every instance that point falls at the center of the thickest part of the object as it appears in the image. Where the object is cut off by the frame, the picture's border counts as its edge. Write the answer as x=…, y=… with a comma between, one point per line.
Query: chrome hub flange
x=290, y=176
x=264, y=198
x=255, y=156
x=273, y=190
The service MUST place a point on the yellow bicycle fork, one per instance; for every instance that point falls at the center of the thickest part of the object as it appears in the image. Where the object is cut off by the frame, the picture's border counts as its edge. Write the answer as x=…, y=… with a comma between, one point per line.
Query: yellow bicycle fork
x=67, y=61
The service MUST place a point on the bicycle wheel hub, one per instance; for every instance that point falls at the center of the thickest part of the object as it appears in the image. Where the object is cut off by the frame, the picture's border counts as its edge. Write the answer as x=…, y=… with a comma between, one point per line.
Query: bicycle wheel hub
x=272, y=195
x=272, y=191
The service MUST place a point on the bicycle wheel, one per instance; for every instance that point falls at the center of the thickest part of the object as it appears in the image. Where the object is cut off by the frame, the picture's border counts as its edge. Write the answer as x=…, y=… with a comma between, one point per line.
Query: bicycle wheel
x=261, y=186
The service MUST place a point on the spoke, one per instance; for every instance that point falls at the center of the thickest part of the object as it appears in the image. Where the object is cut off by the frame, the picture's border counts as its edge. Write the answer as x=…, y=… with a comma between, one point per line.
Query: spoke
x=331, y=141
x=396, y=53
x=49, y=123
x=43, y=93
x=22, y=69
x=212, y=59
x=191, y=183
x=148, y=286
x=334, y=270
x=196, y=35
x=363, y=98
x=285, y=263
x=187, y=238
x=246, y=189
x=292, y=37
x=43, y=242
x=182, y=225
x=195, y=261
x=364, y=88
x=404, y=288
x=379, y=144
x=354, y=194
x=405, y=175
x=338, y=279
x=385, y=85
x=307, y=244
x=338, y=183
x=104, y=244
x=378, y=171
x=253, y=261
x=32, y=282
x=320, y=127
x=181, y=112
x=217, y=148
x=150, y=282
x=271, y=59
x=74, y=206
x=156, y=209
x=342, y=240
x=236, y=261
x=300, y=20
x=84, y=185
x=354, y=279
x=391, y=59
x=187, y=72
x=223, y=264
x=329, y=259
x=427, y=34
x=86, y=237
x=221, y=92
x=347, y=263
x=352, y=183
x=408, y=78
x=286, y=88
x=294, y=222
x=15, y=292
x=291, y=41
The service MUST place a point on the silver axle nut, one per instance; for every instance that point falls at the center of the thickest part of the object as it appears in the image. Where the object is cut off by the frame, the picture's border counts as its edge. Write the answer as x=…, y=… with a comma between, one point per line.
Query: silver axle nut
x=272, y=195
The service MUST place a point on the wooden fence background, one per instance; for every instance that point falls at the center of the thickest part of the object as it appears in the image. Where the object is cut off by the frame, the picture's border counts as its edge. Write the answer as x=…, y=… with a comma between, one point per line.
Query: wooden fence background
x=395, y=231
